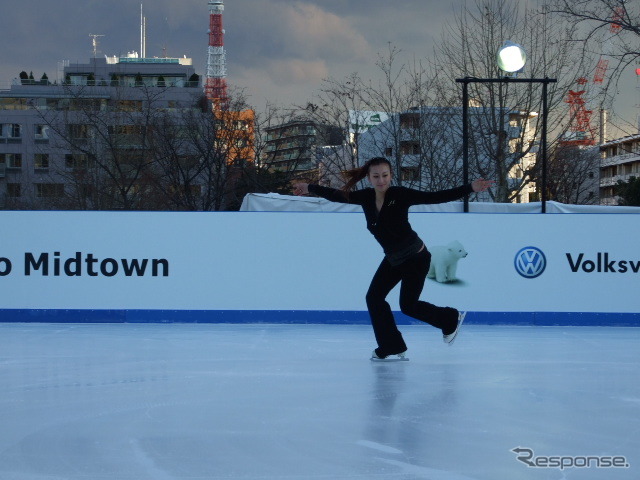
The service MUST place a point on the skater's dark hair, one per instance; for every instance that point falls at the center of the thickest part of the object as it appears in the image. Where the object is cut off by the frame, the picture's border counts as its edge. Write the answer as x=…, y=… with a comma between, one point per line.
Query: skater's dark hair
x=357, y=174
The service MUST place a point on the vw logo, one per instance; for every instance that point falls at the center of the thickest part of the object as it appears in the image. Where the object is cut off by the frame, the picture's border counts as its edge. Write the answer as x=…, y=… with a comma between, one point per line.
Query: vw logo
x=530, y=262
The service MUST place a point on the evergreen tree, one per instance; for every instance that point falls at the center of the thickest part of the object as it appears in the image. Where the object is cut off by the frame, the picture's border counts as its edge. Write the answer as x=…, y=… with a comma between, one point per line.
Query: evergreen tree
x=629, y=192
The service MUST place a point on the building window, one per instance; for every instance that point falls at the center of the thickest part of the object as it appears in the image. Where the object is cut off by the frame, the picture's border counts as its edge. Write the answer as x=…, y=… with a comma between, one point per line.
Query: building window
x=13, y=104
x=126, y=129
x=12, y=132
x=410, y=148
x=129, y=105
x=15, y=131
x=76, y=161
x=11, y=160
x=409, y=120
x=410, y=174
x=388, y=152
x=78, y=131
x=13, y=190
x=41, y=132
x=49, y=190
x=41, y=161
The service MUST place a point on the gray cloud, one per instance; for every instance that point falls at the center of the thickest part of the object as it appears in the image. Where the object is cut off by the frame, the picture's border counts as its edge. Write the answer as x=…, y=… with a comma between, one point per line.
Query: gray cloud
x=276, y=49
x=280, y=42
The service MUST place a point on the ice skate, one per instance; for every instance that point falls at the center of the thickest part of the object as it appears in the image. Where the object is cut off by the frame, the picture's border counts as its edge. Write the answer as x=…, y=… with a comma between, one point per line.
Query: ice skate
x=448, y=339
x=398, y=357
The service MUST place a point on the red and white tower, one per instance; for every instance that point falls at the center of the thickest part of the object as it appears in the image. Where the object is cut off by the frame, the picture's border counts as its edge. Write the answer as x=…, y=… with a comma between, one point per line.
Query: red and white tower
x=581, y=133
x=216, y=85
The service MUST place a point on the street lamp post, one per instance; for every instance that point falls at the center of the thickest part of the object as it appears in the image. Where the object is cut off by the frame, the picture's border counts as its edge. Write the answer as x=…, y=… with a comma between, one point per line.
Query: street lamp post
x=511, y=59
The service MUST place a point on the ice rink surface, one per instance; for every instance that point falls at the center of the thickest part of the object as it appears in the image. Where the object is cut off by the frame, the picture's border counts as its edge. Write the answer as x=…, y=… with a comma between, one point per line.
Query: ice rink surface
x=202, y=401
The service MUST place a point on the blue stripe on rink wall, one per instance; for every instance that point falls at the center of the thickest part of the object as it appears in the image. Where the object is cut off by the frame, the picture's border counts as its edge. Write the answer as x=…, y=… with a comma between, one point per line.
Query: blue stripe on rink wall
x=306, y=317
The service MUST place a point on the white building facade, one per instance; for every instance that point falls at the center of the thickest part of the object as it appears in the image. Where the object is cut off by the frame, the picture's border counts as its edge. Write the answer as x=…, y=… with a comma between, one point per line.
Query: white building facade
x=425, y=146
x=620, y=161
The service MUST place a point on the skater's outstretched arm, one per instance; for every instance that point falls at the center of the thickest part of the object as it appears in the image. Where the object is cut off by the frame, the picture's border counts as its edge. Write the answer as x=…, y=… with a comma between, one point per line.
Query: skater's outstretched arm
x=419, y=197
x=331, y=194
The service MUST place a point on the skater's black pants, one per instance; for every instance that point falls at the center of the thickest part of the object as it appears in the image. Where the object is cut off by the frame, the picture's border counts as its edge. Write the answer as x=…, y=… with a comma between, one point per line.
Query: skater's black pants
x=412, y=273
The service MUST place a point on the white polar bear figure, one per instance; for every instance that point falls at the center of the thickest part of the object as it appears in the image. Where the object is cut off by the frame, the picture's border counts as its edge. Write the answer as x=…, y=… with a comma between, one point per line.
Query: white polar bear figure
x=444, y=261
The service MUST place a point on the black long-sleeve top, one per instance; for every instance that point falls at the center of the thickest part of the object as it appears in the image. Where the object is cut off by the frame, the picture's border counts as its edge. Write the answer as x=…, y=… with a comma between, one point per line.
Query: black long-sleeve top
x=391, y=226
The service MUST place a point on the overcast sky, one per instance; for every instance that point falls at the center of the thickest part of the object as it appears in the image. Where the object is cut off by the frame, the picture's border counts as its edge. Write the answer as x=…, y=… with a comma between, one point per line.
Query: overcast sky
x=278, y=50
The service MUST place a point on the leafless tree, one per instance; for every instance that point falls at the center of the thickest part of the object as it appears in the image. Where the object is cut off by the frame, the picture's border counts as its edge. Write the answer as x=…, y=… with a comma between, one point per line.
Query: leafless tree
x=135, y=150
x=506, y=125
x=422, y=133
x=332, y=106
x=352, y=102
x=200, y=152
x=603, y=27
x=574, y=175
x=104, y=144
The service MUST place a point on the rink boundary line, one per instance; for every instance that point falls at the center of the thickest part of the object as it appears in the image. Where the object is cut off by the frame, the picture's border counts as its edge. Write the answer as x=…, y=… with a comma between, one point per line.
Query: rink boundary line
x=305, y=317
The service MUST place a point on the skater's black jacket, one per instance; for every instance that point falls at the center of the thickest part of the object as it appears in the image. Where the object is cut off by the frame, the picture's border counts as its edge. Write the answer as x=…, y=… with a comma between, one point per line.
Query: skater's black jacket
x=391, y=226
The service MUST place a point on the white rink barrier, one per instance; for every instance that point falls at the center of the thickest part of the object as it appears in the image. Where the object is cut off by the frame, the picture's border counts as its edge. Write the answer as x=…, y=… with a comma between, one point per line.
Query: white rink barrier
x=550, y=269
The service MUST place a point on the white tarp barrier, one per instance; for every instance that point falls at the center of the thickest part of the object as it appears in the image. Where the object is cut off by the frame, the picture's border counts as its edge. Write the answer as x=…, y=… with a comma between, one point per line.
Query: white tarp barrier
x=273, y=202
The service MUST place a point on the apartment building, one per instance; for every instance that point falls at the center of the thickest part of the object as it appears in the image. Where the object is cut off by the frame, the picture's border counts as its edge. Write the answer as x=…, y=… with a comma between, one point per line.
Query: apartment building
x=293, y=146
x=49, y=132
x=620, y=160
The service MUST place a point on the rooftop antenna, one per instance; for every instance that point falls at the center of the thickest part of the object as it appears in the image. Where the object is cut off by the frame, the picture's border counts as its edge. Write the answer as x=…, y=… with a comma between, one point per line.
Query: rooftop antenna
x=143, y=34
x=165, y=37
x=94, y=42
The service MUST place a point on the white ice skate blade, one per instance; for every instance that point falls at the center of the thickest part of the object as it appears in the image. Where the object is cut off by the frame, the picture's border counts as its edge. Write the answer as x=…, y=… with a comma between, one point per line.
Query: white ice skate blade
x=449, y=339
x=390, y=358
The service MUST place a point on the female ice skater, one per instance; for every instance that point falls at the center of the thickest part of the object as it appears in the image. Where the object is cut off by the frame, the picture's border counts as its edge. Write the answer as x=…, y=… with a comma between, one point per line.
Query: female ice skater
x=406, y=258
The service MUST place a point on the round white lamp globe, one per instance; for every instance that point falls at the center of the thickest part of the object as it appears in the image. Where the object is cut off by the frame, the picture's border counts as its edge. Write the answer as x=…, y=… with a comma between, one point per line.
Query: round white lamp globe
x=511, y=57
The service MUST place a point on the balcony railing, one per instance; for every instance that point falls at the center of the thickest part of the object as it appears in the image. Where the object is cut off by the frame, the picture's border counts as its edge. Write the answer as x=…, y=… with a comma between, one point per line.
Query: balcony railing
x=618, y=159
x=612, y=181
